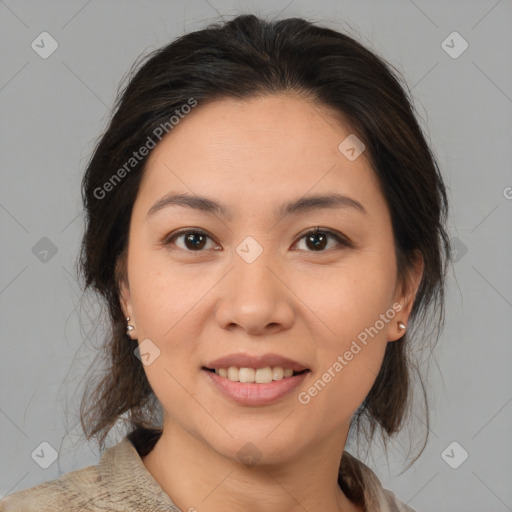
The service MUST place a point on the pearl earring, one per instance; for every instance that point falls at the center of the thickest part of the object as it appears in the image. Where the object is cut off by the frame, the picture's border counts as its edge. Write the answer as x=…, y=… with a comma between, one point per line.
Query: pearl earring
x=401, y=326
x=129, y=327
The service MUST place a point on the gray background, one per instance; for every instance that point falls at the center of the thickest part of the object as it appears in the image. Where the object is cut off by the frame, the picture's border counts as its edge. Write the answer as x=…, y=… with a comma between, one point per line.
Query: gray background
x=53, y=109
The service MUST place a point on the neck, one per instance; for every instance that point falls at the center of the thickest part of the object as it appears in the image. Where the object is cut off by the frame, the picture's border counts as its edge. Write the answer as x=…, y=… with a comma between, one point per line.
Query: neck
x=198, y=478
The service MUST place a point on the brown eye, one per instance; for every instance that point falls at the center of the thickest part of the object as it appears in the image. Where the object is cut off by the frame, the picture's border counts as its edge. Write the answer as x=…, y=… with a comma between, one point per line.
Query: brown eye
x=193, y=240
x=317, y=240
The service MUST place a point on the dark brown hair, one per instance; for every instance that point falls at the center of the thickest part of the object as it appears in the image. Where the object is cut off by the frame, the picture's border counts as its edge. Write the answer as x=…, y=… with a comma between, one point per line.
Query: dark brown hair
x=244, y=58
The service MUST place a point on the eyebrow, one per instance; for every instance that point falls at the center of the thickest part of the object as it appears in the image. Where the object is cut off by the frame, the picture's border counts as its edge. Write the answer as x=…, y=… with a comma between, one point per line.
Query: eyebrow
x=297, y=206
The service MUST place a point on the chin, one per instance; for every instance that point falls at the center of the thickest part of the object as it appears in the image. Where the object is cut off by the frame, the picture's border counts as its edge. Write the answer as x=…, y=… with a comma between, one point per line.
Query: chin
x=259, y=445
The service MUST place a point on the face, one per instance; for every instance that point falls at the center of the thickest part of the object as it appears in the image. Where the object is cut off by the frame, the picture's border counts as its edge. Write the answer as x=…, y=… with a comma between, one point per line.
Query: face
x=252, y=278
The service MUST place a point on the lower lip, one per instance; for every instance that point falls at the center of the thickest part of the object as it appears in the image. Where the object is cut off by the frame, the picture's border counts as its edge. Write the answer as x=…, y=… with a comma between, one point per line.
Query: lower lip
x=251, y=393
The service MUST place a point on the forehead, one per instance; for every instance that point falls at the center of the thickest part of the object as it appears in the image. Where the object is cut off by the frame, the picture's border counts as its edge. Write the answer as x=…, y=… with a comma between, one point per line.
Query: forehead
x=276, y=125
x=259, y=150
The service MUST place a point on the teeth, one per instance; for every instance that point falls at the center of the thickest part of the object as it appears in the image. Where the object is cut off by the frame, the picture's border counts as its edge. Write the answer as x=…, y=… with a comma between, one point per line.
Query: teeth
x=263, y=375
x=260, y=375
x=246, y=375
x=233, y=373
x=277, y=373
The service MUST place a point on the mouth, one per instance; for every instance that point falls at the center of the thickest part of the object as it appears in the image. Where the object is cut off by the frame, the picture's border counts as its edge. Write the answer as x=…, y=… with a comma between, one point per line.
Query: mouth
x=250, y=392
x=255, y=379
x=254, y=387
x=265, y=366
x=263, y=375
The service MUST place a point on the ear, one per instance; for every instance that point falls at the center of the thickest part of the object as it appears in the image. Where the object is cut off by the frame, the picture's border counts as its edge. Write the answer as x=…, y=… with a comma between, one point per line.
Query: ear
x=125, y=298
x=405, y=296
x=125, y=294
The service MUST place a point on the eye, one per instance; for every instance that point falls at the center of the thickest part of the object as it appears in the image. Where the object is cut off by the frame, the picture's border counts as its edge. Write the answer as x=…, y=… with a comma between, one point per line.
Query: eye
x=317, y=239
x=194, y=239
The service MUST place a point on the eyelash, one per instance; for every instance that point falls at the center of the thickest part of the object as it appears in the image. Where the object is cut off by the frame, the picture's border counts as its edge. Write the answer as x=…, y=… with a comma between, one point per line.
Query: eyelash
x=343, y=241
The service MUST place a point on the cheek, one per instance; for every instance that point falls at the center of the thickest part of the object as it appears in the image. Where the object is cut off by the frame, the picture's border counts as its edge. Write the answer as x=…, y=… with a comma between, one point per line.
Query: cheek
x=162, y=293
x=164, y=308
x=348, y=299
x=355, y=309
x=163, y=305
x=348, y=365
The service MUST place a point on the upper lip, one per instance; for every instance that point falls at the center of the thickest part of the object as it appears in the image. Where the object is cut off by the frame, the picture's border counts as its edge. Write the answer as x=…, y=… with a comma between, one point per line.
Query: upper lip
x=242, y=360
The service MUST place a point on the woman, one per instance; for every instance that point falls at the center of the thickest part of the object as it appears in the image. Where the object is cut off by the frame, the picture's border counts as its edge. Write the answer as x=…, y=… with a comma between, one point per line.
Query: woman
x=266, y=224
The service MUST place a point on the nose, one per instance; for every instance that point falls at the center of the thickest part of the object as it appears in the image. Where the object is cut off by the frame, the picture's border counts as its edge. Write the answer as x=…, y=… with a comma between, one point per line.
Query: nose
x=255, y=297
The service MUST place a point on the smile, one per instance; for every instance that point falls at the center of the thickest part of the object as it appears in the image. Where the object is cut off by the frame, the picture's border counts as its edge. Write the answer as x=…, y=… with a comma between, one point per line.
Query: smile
x=235, y=385
x=259, y=375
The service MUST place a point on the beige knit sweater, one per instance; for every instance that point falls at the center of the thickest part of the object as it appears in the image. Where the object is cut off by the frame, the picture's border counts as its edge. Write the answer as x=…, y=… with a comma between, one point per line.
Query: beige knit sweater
x=121, y=482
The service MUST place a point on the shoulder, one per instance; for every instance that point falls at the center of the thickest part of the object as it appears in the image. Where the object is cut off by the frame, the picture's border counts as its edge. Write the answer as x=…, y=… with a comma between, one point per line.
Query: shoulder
x=119, y=482
x=363, y=486
x=71, y=492
x=395, y=503
x=89, y=488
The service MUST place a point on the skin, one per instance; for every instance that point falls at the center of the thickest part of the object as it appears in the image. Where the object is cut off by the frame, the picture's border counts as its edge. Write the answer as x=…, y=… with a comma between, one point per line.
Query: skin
x=198, y=305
